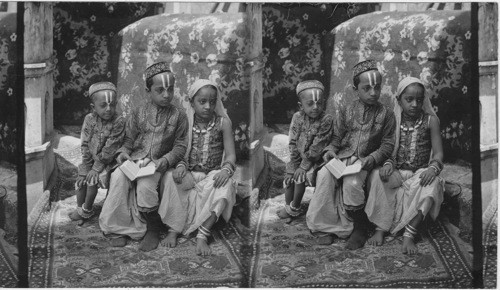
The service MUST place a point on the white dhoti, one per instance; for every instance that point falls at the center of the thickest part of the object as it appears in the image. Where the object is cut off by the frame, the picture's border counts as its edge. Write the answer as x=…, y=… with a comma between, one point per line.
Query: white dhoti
x=204, y=199
x=391, y=207
x=327, y=208
x=120, y=213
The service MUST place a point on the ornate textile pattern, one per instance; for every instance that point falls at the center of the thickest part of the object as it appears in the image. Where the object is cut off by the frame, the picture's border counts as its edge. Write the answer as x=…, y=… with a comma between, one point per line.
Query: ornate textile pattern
x=285, y=255
x=433, y=46
x=82, y=51
x=490, y=232
x=295, y=48
x=63, y=254
x=212, y=47
x=8, y=275
x=8, y=58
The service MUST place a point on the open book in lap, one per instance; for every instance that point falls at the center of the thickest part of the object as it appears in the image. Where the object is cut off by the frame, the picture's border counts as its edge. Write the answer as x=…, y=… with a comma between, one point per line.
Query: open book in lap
x=133, y=171
x=339, y=169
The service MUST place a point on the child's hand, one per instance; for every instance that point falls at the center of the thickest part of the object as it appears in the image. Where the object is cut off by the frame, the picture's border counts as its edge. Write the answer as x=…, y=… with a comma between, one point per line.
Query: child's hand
x=122, y=157
x=329, y=155
x=385, y=172
x=367, y=163
x=427, y=177
x=92, y=177
x=161, y=165
x=144, y=162
x=287, y=181
x=221, y=178
x=300, y=175
x=80, y=181
x=179, y=174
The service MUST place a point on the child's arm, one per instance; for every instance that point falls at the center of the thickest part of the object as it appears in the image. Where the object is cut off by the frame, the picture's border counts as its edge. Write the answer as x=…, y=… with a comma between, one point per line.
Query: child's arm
x=131, y=132
x=320, y=141
x=179, y=148
x=113, y=143
x=87, y=161
x=436, y=164
x=338, y=132
x=228, y=166
x=293, y=133
x=387, y=143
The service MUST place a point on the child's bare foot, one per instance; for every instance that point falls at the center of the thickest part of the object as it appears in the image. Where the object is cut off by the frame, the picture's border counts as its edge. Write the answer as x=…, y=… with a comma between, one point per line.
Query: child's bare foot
x=324, y=239
x=357, y=239
x=282, y=214
x=377, y=239
x=150, y=241
x=409, y=246
x=75, y=216
x=171, y=239
x=119, y=242
x=202, y=247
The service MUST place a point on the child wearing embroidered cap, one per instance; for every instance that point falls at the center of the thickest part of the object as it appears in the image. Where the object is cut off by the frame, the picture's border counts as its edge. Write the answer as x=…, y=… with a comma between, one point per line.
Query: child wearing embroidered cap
x=155, y=132
x=310, y=132
x=363, y=133
x=101, y=136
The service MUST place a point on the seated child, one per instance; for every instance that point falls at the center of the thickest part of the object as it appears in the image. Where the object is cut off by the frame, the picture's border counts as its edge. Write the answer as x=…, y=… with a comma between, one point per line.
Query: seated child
x=203, y=179
x=363, y=132
x=310, y=132
x=102, y=134
x=408, y=186
x=155, y=132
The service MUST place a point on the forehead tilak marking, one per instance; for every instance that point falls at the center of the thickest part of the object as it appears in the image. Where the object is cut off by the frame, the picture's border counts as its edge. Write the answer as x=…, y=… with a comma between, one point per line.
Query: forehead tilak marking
x=372, y=78
x=109, y=97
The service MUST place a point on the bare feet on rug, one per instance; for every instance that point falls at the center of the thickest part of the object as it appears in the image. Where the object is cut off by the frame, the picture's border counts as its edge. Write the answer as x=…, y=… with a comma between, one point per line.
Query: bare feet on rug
x=409, y=246
x=357, y=239
x=171, y=239
x=75, y=216
x=324, y=239
x=377, y=239
x=282, y=214
x=202, y=247
x=150, y=241
x=119, y=242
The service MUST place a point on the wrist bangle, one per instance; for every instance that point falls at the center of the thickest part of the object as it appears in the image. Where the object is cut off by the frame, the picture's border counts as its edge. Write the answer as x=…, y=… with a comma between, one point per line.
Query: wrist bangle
x=228, y=171
x=387, y=163
x=435, y=169
x=181, y=164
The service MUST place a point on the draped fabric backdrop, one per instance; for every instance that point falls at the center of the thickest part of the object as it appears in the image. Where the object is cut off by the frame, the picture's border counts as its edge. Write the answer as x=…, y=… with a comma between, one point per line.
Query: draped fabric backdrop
x=8, y=57
x=82, y=51
x=433, y=46
x=212, y=46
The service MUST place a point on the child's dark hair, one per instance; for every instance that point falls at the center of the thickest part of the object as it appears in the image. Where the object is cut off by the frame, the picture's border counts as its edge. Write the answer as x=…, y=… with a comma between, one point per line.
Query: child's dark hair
x=149, y=84
x=355, y=81
x=412, y=84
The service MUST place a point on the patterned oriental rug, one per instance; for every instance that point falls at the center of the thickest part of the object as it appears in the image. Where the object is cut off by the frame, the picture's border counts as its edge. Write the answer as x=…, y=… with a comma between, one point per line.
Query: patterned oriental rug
x=286, y=255
x=63, y=254
x=490, y=220
x=8, y=275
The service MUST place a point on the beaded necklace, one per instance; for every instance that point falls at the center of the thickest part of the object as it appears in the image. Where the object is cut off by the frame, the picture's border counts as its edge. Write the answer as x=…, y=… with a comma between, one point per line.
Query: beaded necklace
x=198, y=130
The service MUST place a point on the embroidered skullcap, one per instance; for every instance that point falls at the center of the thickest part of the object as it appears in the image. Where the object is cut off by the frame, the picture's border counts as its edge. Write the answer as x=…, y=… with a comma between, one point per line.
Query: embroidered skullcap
x=363, y=66
x=157, y=68
x=312, y=84
x=101, y=86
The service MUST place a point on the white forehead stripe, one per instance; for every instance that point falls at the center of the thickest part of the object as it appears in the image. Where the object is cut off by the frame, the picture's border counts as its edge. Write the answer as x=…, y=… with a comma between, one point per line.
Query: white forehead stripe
x=109, y=97
x=163, y=80
x=372, y=78
x=315, y=95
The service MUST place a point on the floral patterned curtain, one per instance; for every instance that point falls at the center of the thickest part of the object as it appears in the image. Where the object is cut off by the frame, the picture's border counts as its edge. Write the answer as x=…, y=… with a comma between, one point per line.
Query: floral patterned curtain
x=212, y=46
x=433, y=46
x=82, y=39
x=295, y=48
x=8, y=107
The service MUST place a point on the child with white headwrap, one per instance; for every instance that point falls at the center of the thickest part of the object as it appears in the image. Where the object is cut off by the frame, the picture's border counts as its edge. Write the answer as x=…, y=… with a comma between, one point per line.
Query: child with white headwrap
x=202, y=182
x=408, y=187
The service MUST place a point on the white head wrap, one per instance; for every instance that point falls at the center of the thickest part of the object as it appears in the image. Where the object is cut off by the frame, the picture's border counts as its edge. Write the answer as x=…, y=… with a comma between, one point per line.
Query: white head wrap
x=427, y=106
